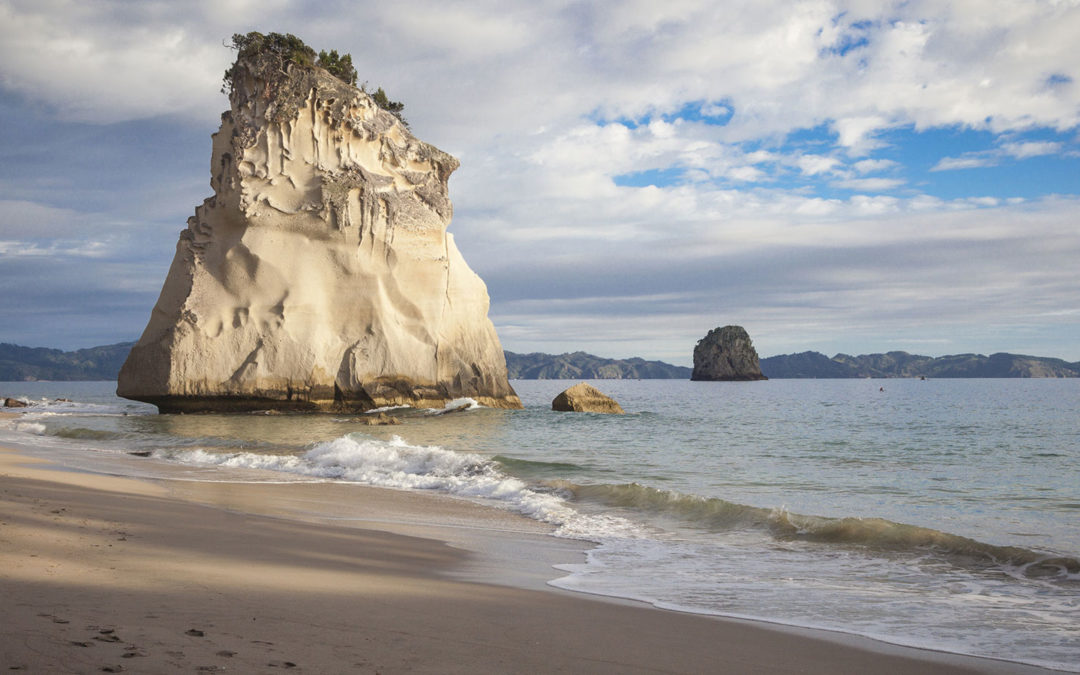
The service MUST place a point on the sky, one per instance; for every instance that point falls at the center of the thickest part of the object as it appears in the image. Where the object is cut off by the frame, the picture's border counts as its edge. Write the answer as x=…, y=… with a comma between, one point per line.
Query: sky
x=835, y=176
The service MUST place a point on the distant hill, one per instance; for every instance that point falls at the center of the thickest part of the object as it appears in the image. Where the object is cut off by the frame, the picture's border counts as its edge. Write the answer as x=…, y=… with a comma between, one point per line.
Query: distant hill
x=902, y=364
x=35, y=363
x=580, y=365
x=103, y=363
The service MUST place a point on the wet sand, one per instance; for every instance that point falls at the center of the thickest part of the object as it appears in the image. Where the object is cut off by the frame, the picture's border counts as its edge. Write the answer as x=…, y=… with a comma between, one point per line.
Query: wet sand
x=107, y=574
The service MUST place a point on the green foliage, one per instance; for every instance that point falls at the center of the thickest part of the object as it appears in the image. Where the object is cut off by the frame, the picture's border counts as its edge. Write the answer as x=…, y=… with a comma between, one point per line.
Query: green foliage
x=287, y=48
x=340, y=67
x=384, y=102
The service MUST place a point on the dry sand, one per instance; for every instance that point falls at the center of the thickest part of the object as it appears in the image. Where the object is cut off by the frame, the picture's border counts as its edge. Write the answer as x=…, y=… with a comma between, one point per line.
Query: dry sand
x=108, y=574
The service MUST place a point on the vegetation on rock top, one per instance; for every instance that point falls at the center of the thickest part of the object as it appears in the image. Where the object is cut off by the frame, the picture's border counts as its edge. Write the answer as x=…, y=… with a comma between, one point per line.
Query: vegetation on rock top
x=286, y=48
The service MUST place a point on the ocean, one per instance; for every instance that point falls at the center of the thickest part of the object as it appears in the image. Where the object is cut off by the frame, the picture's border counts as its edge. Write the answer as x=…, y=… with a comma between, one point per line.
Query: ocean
x=942, y=514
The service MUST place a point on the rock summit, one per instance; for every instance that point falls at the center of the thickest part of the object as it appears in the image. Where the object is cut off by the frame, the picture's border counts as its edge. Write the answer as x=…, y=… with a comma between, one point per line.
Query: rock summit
x=726, y=354
x=319, y=275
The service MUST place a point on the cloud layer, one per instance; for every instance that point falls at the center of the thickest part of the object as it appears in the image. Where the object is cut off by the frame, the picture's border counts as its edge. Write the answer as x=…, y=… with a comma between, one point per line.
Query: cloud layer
x=840, y=176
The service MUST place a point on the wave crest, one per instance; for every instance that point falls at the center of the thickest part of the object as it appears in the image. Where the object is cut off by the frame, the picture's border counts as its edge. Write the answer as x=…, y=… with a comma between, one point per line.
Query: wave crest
x=874, y=534
x=398, y=464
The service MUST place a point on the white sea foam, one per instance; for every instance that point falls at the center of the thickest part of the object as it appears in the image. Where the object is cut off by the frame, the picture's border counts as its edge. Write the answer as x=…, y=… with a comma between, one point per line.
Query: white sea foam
x=28, y=427
x=398, y=464
x=464, y=403
x=387, y=408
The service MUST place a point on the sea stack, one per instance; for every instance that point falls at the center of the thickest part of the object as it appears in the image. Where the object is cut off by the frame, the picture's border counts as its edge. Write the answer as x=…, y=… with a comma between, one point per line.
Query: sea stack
x=319, y=276
x=726, y=354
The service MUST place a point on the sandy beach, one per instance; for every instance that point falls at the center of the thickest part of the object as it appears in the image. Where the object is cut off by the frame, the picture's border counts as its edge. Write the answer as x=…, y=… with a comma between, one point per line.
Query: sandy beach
x=109, y=574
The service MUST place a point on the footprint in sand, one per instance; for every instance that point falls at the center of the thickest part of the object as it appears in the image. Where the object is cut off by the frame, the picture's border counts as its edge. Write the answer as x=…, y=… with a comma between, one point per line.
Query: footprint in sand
x=55, y=619
x=107, y=637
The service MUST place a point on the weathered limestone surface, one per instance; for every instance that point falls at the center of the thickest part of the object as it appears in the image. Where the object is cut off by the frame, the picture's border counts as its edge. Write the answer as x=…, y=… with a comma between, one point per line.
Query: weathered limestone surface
x=726, y=354
x=319, y=276
x=584, y=397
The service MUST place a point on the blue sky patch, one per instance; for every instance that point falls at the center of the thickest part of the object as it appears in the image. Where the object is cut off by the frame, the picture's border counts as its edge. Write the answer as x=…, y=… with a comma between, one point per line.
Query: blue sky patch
x=714, y=113
x=949, y=163
x=657, y=177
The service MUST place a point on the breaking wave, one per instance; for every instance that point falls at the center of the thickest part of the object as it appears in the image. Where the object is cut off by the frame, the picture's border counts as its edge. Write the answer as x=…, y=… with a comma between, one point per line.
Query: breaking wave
x=871, y=534
x=398, y=464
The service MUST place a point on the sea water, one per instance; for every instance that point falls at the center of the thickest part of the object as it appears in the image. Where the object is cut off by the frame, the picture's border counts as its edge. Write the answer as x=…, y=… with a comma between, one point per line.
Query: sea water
x=942, y=513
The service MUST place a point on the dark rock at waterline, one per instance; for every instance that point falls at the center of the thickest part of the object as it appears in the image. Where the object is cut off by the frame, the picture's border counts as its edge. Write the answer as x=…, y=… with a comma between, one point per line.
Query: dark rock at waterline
x=726, y=354
x=14, y=403
x=584, y=397
x=381, y=419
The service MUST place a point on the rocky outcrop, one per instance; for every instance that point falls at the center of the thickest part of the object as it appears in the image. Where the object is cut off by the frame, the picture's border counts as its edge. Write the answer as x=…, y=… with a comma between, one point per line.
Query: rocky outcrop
x=584, y=397
x=726, y=354
x=14, y=403
x=319, y=276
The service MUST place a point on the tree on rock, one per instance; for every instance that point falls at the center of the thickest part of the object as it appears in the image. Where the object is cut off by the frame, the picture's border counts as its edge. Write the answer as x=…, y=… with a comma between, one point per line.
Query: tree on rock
x=340, y=67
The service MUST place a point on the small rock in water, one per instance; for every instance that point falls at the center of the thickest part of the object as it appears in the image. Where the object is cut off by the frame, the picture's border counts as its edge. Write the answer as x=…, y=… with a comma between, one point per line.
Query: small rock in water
x=584, y=397
x=380, y=419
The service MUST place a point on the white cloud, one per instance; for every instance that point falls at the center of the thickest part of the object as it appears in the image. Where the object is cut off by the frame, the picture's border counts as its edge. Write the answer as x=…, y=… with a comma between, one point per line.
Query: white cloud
x=973, y=161
x=869, y=184
x=59, y=248
x=1031, y=149
x=812, y=165
x=995, y=156
x=21, y=218
x=108, y=61
x=874, y=165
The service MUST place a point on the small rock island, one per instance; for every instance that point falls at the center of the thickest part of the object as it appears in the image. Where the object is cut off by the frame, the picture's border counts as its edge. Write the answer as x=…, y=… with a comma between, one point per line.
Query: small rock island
x=319, y=276
x=726, y=354
x=583, y=397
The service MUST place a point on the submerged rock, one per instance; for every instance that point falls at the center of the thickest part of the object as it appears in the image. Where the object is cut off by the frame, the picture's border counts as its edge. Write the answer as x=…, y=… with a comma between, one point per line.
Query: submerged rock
x=584, y=397
x=726, y=354
x=377, y=420
x=319, y=276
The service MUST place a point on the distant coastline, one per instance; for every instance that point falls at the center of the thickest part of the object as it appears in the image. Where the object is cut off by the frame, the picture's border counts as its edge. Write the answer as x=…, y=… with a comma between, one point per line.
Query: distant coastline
x=18, y=363
x=902, y=364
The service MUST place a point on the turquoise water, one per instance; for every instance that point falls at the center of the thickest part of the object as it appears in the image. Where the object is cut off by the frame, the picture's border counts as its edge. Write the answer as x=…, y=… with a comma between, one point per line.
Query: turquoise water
x=939, y=513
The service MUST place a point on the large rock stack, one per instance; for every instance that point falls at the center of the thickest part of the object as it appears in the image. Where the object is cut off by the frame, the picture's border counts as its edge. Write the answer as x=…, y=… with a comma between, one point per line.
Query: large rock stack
x=320, y=275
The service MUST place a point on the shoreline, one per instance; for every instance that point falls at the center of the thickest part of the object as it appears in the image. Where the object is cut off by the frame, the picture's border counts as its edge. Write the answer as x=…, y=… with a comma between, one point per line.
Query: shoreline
x=392, y=581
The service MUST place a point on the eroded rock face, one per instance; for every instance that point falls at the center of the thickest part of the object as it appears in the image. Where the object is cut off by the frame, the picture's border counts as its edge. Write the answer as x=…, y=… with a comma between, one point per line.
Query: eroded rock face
x=584, y=397
x=726, y=354
x=320, y=275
